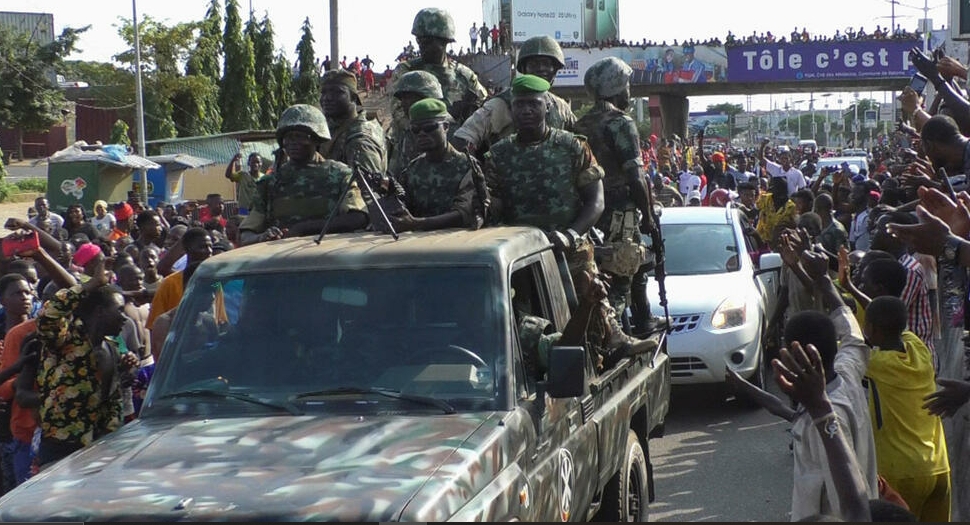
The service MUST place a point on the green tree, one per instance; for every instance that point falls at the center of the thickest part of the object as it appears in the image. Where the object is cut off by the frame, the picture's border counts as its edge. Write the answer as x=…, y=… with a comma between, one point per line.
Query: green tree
x=119, y=133
x=29, y=98
x=851, y=115
x=204, y=59
x=266, y=82
x=237, y=98
x=283, y=71
x=164, y=48
x=3, y=169
x=306, y=86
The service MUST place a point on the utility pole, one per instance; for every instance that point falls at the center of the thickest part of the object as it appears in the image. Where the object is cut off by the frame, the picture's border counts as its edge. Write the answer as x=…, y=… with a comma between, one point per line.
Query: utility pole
x=334, y=36
x=139, y=105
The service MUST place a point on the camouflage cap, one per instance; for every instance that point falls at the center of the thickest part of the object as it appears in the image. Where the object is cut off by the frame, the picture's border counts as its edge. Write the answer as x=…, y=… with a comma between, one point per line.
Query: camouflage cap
x=529, y=84
x=420, y=82
x=434, y=22
x=607, y=77
x=340, y=77
x=540, y=46
x=429, y=108
x=303, y=116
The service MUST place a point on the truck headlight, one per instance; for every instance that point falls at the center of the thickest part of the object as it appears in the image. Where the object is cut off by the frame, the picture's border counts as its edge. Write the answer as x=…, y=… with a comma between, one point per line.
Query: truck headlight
x=732, y=312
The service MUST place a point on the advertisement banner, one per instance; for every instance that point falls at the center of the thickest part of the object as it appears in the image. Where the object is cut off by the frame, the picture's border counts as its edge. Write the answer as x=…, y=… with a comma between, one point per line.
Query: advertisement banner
x=811, y=61
x=562, y=20
x=651, y=65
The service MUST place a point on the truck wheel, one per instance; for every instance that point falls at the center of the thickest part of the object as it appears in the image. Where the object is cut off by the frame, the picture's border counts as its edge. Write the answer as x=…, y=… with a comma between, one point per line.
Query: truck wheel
x=626, y=496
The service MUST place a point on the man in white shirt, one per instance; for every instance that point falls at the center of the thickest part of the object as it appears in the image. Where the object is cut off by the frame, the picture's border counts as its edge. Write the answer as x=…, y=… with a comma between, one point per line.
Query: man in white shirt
x=689, y=180
x=813, y=491
x=783, y=168
x=473, y=35
x=44, y=214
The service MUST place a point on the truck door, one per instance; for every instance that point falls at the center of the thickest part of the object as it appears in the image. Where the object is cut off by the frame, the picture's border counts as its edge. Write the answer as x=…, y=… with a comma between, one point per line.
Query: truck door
x=562, y=467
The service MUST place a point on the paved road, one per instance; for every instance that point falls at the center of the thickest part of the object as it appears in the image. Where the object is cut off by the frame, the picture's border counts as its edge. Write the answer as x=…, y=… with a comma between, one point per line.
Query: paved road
x=24, y=170
x=720, y=462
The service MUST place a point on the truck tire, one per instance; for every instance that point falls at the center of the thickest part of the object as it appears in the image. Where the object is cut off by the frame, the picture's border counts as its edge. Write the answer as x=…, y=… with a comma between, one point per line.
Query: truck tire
x=626, y=495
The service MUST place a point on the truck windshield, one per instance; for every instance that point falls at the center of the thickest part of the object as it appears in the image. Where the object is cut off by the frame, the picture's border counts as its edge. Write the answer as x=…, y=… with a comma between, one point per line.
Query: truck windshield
x=325, y=339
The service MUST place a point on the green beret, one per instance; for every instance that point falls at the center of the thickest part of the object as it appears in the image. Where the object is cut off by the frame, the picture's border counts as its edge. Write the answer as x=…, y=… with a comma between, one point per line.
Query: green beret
x=340, y=77
x=428, y=108
x=527, y=84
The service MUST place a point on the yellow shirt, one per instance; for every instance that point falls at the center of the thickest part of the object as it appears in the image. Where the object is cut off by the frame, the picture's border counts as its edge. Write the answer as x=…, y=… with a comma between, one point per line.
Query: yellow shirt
x=909, y=441
x=169, y=294
x=770, y=218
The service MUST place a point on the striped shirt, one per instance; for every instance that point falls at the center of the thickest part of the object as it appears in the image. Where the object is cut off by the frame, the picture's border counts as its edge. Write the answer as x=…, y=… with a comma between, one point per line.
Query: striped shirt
x=917, y=298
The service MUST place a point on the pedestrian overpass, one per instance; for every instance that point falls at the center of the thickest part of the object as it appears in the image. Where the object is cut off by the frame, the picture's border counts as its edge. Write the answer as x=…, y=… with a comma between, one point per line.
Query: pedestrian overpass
x=669, y=75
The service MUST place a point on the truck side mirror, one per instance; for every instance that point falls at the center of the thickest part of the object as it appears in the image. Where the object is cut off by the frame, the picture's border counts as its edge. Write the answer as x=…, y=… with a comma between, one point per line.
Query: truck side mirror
x=566, y=376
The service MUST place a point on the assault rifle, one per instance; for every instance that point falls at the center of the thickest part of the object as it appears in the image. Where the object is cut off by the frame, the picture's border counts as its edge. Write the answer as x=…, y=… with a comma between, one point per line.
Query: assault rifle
x=659, y=253
x=374, y=203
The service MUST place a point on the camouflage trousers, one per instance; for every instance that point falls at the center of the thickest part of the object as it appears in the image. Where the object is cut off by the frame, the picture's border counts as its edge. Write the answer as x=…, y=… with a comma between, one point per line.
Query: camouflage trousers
x=603, y=329
x=623, y=254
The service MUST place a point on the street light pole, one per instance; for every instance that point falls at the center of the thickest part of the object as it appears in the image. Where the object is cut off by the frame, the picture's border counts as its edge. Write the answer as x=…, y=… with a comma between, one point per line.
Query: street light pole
x=855, y=121
x=334, y=36
x=139, y=105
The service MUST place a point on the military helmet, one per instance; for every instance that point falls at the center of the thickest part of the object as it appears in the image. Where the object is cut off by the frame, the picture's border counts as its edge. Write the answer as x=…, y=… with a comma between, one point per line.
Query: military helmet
x=421, y=82
x=435, y=22
x=305, y=117
x=607, y=77
x=540, y=46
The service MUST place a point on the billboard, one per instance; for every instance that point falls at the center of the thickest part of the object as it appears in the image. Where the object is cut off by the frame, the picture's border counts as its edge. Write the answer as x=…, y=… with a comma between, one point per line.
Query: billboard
x=562, y=20
x=812, y=61
x=651, y=65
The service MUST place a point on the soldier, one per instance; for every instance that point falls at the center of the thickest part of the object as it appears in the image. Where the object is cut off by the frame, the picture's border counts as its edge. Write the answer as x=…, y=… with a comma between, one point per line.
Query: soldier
x=296, y=199
x=355, y=141
x=434, y=29
x=540, y=56
x=410, y=88
x=440, y=184
x=549, y=179
x=615, y=142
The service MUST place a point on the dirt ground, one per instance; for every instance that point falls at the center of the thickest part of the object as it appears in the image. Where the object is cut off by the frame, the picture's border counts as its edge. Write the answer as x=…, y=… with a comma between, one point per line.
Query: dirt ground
x=12, y=209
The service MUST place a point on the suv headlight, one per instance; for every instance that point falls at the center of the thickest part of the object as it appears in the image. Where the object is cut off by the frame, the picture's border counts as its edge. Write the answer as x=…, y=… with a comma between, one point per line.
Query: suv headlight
x=732, y=312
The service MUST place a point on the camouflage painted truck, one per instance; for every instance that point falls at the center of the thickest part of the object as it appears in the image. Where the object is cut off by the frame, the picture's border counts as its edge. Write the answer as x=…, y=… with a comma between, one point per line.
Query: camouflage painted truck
x=367, y=379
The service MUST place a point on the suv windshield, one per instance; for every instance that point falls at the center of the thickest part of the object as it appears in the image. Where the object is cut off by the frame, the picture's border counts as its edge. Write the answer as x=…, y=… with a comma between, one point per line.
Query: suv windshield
x=693, y=249
x=353, y=335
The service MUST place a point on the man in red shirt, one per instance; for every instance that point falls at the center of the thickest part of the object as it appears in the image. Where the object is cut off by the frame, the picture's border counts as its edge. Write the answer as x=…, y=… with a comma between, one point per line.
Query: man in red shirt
x=495, y=34
x=213, y=209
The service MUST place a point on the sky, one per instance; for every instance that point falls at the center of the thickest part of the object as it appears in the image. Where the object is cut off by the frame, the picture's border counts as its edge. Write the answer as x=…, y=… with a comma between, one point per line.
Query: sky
x=381, y=28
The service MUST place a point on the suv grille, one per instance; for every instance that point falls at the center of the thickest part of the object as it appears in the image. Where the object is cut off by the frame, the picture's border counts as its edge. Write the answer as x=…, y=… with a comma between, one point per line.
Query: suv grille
x=685, y=366
x=683, y=324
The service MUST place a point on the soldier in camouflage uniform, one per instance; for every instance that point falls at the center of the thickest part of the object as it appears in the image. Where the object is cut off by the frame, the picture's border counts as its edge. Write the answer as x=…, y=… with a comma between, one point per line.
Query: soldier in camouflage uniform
x=441, y=185
x=296, y=199
x=549, y=179
x=540, y=56
x=354, y=140
x=615, y=142
x=410, y=88
x=434, y=29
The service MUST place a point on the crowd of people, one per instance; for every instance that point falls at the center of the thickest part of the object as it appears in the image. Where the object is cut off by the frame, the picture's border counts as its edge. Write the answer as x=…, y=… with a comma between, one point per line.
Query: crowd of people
x=874, y=288
x=873, y=301
x=764, y=37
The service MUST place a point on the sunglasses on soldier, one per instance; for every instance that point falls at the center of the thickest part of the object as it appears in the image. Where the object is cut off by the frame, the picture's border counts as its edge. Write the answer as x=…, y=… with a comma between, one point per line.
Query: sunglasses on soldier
x=430, y=127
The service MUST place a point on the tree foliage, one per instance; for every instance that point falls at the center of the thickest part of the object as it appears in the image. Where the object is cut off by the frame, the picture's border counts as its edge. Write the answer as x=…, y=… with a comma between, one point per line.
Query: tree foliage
x=164, y=51
x=284, y=84
x=237, y=98
x=119, y=133
x=29, y=98
x=306, y=86
x=204, y=59
x=266, y=82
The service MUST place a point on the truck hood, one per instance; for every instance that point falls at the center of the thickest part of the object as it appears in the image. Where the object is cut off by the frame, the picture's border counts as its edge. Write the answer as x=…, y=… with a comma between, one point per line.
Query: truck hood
x=354, y=468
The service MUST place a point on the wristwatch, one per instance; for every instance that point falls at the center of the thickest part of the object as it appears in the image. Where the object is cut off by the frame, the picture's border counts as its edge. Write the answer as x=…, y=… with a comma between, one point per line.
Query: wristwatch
x=951, y=249
x=574, y=237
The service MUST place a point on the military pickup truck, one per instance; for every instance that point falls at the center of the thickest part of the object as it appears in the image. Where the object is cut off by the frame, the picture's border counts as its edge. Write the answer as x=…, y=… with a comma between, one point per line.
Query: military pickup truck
x=368, y=379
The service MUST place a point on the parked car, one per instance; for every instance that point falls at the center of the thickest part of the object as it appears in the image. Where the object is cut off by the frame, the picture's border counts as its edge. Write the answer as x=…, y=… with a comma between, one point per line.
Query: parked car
x=721, y=295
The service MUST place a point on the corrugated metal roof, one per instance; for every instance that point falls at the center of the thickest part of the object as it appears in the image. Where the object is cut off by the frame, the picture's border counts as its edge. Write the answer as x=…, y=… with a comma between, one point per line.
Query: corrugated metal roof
x=220, y=148
x=181, y=160
x=39, y=25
